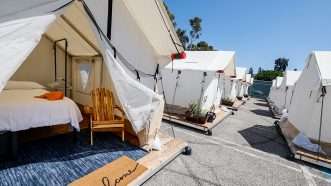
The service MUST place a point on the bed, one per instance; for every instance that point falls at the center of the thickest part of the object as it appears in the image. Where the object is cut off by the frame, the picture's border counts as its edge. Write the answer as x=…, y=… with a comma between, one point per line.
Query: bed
x=20, y=110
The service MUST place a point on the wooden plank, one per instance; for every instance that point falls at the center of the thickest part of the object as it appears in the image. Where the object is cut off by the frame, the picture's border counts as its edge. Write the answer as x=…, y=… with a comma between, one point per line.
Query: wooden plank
x=120, y=172
x=156, y=160
x=220, y=116
x=289, y=132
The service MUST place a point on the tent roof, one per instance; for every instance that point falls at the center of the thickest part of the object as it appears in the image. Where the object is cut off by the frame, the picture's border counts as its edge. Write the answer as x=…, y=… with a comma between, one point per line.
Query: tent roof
x=204, y=61
x=292, y=77
x=154, y=21
x=241, y=73
x=323, y=59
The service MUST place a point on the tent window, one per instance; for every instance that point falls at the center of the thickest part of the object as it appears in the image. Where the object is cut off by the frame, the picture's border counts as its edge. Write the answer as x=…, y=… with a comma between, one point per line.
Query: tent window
x=85, y=77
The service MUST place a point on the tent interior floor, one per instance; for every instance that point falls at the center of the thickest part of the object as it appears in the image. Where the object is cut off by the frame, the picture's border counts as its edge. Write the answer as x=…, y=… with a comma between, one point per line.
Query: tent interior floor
x=207, y=127
x=289, y=131
x=111, y=145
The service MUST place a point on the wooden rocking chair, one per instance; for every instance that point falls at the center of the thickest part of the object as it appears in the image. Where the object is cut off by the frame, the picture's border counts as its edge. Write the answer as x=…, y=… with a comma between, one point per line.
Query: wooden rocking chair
x=102, y=113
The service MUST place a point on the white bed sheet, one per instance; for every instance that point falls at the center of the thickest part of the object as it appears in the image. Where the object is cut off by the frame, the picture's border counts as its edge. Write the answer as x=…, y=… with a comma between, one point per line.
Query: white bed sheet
x=19, y=110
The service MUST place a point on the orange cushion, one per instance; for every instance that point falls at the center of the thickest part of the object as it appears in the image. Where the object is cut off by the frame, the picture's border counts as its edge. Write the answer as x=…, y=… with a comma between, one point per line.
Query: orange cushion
x=52, y=96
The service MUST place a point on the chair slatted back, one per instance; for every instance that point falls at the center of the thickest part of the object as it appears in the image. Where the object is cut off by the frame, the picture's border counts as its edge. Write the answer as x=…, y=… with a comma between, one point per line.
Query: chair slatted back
x=103, y=108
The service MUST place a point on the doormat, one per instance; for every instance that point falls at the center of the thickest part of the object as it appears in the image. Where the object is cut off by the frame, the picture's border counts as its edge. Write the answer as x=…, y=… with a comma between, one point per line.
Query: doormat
x=117, y=173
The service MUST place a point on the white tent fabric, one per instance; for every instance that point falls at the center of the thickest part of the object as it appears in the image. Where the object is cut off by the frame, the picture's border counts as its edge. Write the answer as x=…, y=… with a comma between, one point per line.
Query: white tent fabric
x=306, y=107
x=230, y=88
x=248, y=83
x=205, y=61
x=272, y=91
x=191, y=86
x=142, y=106
x=284, y=89
x=18, y=38
x=241, y=77
x=287, y=86
x=277, y=95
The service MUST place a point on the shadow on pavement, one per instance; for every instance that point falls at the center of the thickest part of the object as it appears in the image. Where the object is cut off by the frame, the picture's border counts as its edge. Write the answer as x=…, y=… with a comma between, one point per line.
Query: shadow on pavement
x=262, y=112
x=262, y=104
x=266, y=138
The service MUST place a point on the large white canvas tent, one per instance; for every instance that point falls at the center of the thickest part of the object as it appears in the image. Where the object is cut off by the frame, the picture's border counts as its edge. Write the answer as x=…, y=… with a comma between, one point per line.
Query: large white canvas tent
x=310, y=110
x=286, y=89
x=240, y=80
x=198, y=78
x=277, y=95
x=30, y=30
x=247, y=84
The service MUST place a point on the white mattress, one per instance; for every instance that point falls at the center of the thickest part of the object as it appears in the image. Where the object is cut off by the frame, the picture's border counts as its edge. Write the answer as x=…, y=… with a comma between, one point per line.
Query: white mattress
x=19, y=110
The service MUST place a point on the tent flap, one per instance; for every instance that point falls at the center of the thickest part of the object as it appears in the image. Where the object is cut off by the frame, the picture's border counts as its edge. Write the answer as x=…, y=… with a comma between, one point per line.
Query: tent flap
x=18, y=38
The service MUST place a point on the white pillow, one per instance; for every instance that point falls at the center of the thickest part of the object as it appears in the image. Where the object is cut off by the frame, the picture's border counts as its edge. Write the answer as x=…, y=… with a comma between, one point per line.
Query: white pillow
x=12, y=85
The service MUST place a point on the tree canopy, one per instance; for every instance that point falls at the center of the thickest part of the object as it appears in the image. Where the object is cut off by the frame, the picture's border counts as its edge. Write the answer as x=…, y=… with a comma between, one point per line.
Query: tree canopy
x=268, y=75
x=281, y=64
x=251, y=71
x=190, y=41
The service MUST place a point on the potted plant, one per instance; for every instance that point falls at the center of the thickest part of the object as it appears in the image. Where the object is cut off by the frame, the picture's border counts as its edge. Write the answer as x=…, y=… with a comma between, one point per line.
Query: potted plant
x=196, y=114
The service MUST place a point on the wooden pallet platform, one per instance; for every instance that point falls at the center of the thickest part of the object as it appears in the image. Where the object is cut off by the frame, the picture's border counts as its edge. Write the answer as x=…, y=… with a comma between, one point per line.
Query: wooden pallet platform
x=207, y=127
x=151, y=163
x=289, y=131
x=236, y=105
x=156, y=160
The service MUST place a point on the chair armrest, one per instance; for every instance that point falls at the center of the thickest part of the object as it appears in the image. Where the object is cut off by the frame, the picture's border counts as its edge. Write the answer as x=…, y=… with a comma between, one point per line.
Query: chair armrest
x=88, y=109
x=121, y=111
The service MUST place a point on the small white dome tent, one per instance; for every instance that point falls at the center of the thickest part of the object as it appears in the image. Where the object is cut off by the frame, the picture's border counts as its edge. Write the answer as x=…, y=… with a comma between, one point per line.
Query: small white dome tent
x=311, y=101
x=198, y=78
x=28, y=31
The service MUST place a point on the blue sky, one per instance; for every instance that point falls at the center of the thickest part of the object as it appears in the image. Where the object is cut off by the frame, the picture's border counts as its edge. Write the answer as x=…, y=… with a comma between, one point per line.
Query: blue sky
x=261, y=30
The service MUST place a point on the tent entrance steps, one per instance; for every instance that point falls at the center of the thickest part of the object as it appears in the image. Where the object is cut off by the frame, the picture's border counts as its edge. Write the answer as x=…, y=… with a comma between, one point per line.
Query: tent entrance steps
x=288, y=131
x=206, y=128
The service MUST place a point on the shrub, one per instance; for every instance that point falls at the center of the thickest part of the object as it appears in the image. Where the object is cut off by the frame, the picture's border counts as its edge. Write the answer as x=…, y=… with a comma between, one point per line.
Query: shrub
x=268, y=75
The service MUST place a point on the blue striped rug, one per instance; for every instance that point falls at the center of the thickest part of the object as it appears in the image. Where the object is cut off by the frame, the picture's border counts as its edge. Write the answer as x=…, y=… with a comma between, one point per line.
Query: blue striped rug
x=60, y=160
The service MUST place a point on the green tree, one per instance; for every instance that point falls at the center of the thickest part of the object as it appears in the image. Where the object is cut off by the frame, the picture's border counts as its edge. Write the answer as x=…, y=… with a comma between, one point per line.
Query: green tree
x=281, y=64
x=171, y=15
x=259, y=70
x=251, y=71
x=268, y=75
x=202, y=46
x=184, y=39
x=195, y=32
x=190, y=42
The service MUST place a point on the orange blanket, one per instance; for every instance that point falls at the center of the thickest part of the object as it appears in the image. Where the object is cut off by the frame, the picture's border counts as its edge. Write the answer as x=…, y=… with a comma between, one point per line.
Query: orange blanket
x=52, y=96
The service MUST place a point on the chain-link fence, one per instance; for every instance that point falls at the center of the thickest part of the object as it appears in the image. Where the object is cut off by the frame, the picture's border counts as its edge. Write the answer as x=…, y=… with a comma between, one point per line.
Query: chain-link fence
x=260, y=89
